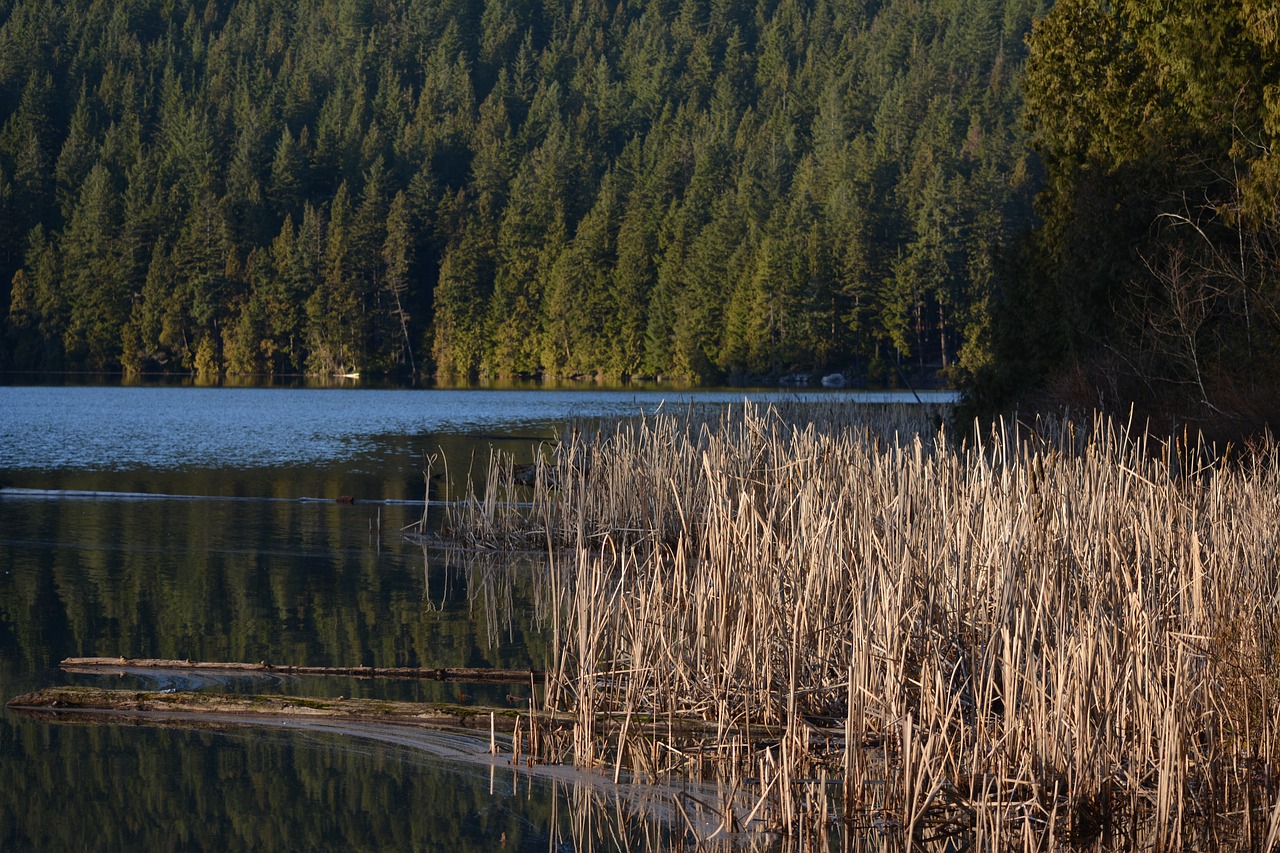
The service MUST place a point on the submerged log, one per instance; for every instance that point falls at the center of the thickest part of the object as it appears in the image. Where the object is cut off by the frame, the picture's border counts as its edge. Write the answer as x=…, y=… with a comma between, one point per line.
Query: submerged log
x=220, y=709
x=159, y=706
x=476, y=675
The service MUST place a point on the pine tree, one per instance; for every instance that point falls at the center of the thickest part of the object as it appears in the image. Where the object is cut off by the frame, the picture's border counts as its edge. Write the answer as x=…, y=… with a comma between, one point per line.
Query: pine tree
x=397, y=253
x=97, y=294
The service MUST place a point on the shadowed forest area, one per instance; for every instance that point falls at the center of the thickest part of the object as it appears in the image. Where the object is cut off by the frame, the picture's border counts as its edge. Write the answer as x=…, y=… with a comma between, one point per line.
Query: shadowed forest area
x=1153, y=277
x=705, y=191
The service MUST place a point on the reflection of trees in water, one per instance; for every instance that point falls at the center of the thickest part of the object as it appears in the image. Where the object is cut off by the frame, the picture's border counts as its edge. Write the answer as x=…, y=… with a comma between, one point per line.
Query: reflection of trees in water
x=283, y=582
x=158, y=789
x=391, y=787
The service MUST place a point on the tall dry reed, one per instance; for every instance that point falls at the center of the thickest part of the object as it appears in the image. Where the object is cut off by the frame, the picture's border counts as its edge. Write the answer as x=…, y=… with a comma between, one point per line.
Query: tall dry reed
x=1060, y=633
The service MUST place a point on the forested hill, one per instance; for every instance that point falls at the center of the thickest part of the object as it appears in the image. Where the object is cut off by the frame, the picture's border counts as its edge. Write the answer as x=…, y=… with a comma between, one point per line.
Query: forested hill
x=698, y=188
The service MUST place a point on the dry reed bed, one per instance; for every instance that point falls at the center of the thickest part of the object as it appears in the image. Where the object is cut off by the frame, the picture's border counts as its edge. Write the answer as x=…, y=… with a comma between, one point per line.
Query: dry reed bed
x=1037, y=636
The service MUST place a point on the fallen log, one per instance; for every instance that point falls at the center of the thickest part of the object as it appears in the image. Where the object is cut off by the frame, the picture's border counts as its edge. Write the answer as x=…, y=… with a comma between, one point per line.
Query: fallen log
x=189, y=707
x=185, y=706
x=474, y=675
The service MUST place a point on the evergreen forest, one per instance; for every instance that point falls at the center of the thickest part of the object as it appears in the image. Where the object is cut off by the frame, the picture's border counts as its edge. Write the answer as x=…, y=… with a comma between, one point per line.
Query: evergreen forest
x=1152, y=279
x=1077, y=197
x=505, y=188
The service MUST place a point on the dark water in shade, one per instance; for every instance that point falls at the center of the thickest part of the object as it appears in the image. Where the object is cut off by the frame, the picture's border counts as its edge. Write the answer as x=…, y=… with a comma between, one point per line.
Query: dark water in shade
x=282, y=580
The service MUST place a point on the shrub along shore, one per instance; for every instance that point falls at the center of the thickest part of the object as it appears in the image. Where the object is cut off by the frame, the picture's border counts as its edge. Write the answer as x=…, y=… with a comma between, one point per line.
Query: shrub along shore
x=1047, y=633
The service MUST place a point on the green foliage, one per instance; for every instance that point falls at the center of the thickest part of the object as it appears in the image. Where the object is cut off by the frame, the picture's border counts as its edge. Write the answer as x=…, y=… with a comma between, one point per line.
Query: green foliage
x=1156, y=268
x=505, y=187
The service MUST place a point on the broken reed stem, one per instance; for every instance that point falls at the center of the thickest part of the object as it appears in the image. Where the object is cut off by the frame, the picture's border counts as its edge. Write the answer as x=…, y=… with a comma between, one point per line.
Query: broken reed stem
x=1045, y=630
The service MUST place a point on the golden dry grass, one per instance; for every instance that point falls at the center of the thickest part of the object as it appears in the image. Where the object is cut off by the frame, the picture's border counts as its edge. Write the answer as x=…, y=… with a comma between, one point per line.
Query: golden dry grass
x=1043, y=635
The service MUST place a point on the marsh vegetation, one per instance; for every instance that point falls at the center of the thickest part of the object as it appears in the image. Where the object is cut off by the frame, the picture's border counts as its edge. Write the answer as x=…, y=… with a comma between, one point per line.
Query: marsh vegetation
x=861, y=628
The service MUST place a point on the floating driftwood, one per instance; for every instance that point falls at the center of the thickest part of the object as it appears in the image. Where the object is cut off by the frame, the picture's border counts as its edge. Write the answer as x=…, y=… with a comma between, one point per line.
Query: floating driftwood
x=467, y=674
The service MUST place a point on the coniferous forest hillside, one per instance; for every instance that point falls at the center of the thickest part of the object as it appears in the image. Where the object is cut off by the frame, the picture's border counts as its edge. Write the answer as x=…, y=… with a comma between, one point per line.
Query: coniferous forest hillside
x=703, y=189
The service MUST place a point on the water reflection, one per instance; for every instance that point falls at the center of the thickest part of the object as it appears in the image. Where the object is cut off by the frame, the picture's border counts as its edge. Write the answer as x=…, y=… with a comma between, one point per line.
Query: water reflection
x=305, y=584
x=284, y=581
x=263, y=789
x=160, y=789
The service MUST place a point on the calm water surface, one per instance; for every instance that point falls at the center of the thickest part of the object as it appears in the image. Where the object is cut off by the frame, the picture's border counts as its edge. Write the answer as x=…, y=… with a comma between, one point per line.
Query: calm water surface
x=282, y=580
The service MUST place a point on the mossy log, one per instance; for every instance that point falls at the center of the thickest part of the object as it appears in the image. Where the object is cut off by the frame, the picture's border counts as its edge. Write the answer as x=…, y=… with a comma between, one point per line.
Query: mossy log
x=161, y=705
x=475, y=675
x=220, y=709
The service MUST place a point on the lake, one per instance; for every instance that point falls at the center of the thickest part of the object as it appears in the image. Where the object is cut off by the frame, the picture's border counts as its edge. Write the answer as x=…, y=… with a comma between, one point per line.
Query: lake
x=213, y=532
